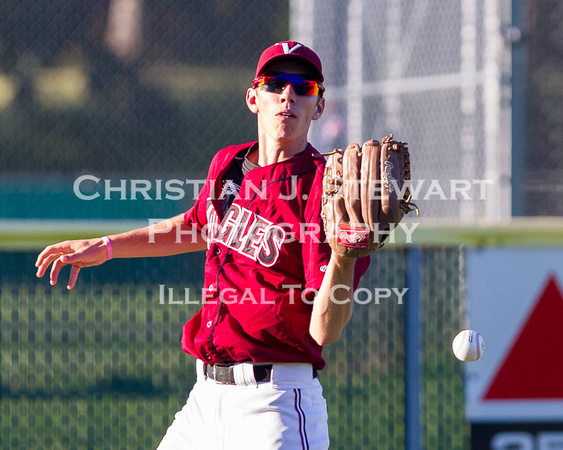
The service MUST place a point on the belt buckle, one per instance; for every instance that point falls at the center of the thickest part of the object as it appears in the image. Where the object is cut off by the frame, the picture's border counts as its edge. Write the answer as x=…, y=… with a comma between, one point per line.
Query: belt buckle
x=215, y=374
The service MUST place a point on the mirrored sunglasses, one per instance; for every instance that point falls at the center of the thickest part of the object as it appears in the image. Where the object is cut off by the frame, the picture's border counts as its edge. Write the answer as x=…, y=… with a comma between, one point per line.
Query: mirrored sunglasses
x=277, y=83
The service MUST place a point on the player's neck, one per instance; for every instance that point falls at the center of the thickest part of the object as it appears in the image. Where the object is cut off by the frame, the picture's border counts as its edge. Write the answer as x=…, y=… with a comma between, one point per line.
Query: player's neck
x=272, y=151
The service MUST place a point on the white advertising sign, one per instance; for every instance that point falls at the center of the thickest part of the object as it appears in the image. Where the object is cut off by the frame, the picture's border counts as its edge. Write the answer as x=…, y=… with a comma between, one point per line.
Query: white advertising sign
x=515, y=301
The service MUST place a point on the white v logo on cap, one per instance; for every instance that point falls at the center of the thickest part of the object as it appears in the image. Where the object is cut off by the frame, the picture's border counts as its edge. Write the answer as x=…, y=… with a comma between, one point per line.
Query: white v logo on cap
x=286, y=49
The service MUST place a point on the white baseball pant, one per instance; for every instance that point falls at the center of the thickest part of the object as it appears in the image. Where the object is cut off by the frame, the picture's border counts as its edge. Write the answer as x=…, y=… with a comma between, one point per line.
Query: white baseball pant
x=288, y=412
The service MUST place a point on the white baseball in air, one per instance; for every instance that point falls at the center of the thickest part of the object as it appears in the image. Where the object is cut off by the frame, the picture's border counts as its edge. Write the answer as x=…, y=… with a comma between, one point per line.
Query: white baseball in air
x=468, y=345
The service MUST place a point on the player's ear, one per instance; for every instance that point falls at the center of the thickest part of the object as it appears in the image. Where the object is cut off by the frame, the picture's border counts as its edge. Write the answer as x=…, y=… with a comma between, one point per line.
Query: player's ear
x=319, y=109
x=252, y=100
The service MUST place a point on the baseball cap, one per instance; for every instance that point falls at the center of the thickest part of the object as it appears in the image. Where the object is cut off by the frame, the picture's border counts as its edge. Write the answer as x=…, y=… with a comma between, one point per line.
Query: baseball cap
x=292, y=51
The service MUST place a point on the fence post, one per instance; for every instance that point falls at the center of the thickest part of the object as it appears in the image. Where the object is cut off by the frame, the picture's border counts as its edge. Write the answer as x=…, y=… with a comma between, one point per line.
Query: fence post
x=412, y=349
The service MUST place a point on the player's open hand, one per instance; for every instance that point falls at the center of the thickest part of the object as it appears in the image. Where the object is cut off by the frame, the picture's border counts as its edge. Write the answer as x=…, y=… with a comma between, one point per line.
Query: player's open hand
x=79, y=254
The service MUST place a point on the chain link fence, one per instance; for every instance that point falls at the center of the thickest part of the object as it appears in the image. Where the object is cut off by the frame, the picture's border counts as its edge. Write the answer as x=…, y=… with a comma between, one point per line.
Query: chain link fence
x=101, y=366
x=439, y=75
x=122, y=89
x=543, y=40
x=407, y=68
x=151, y=90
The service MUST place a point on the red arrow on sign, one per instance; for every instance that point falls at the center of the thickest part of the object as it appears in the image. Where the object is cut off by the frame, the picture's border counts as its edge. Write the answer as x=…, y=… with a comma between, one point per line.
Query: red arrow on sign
x=533, y=367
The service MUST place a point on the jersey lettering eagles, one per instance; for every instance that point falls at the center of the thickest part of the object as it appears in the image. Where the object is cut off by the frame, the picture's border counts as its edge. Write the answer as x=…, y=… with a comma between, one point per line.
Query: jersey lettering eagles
x=242, y=230
x=247, y=233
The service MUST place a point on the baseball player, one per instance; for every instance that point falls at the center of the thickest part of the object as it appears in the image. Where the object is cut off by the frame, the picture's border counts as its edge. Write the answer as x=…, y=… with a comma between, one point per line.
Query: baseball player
x=275, y=292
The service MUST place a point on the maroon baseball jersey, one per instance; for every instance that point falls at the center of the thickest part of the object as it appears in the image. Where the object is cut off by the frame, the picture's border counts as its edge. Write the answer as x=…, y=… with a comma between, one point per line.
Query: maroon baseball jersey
x=266, y=256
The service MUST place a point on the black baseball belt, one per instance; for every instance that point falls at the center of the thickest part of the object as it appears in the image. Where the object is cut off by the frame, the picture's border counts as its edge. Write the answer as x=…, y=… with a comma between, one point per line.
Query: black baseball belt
x=224, y=373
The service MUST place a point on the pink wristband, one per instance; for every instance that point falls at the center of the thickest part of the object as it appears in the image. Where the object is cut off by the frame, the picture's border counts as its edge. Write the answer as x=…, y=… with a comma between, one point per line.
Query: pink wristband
x=108, y=247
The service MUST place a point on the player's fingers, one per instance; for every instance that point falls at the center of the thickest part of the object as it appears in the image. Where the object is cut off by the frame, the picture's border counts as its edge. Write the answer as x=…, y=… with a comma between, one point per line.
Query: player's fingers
x=56, y=267
x=74, y=271
x=50, y=254
x=45, y=262
x=371, y=184
x=50, y=250
x=334, y=209
x=41, y=257
x=351, y=165
x=391, y=174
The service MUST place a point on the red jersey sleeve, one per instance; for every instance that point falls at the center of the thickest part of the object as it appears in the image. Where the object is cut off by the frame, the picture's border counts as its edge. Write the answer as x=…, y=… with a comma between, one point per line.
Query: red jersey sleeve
x=197, y=214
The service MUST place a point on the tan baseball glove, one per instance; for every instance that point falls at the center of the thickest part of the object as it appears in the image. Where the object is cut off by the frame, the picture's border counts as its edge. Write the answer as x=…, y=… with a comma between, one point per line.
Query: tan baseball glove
x=364, y=195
